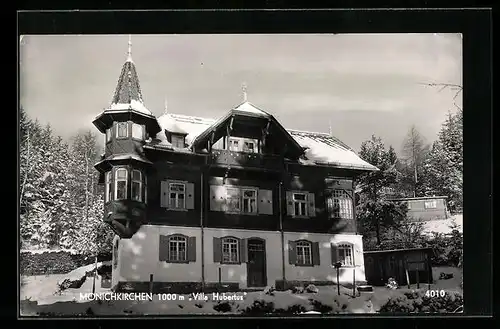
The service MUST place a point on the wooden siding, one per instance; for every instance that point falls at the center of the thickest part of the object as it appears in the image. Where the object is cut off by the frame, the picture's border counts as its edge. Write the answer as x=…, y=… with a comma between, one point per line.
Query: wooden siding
x=418, y=212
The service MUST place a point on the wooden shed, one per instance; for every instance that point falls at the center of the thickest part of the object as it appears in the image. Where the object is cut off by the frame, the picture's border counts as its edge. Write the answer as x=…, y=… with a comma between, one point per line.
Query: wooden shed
x=406, y=266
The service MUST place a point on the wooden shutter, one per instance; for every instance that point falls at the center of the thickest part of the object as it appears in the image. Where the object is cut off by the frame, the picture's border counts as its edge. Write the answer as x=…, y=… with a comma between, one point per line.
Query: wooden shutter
x=292, y=254
x=311, y=204
x=265, y=200
x=217, y=250
x=358, y=254
x=164, y=194
x=315, y=253
x=191, y=249
x=189, y=196
x=289, y=203
x=333, y=248
x=163, y=248
x=217, y=197
x=243, y=250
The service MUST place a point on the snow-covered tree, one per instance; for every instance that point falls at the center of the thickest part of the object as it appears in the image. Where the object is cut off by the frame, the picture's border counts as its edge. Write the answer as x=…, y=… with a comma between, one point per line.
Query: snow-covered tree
x=414, y=151
x=374, y=211
x=443, y=167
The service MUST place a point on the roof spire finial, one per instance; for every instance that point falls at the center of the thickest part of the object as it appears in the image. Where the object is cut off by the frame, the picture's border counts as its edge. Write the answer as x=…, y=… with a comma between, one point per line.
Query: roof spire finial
x=244, y=89
x=330, y=127
x=129, y=52
x=166, y=105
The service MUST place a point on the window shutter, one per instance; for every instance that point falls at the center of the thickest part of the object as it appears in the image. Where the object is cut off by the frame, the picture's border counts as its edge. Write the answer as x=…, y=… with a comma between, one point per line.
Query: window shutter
x=191, y=250
x=334, y=253
x=243, y=250
x=315, y=253
x=164, y=194
x=311, y=204
x=289, y=203
x=217, y=250
x=163, y=252
x=358, y=254
x=189, y=196
x=292, y=254
x=217, y=197
x=265, y=200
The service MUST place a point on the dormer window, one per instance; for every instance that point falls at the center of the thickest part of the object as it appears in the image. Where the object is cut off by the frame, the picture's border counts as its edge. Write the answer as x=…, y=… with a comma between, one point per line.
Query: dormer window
x=234, y=145
x=249, y=147
x=137, y=131
x=178, y=141
x=239, y=144
x=121, y=130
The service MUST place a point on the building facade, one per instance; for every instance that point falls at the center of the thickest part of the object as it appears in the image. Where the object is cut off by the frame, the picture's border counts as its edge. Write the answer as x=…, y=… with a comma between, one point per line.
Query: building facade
x=235, y=202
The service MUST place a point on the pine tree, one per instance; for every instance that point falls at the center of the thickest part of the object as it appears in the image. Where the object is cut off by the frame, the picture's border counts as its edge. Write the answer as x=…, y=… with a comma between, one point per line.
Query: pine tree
x=374, y=211
x=444, y=166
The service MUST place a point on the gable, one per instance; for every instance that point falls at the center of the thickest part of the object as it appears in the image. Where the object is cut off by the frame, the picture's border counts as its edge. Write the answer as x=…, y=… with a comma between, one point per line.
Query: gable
x=319, y=148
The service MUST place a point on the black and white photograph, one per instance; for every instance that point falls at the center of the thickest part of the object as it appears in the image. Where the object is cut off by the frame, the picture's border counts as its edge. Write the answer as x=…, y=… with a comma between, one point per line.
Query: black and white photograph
x=240, y=174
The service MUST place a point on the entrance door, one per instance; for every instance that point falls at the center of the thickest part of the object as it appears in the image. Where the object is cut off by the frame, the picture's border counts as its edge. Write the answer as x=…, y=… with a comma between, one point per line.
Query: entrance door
x=256, y=266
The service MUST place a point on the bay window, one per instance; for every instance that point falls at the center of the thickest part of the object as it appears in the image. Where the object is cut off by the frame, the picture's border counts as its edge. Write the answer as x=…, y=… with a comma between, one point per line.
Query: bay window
x=121, y=176
x=136, y=188
x=120, y=179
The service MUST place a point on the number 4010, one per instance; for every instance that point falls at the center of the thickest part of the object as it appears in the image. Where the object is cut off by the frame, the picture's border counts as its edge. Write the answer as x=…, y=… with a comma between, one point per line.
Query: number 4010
x=435, y=293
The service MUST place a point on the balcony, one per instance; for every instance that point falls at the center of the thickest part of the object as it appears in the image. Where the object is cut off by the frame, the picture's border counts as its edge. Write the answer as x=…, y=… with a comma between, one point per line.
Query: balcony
x=246, y=160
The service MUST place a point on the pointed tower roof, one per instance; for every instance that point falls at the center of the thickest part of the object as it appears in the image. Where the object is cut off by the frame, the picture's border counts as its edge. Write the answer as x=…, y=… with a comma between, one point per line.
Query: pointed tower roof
x=128, y=93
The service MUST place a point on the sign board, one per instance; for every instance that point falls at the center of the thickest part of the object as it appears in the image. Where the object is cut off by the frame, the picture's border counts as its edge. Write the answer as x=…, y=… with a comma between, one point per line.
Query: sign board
x=339, y=183
x=416, y=266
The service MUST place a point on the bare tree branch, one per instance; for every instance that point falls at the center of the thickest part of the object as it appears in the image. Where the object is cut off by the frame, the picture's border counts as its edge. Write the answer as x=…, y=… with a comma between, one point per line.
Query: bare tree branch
x=450, y=86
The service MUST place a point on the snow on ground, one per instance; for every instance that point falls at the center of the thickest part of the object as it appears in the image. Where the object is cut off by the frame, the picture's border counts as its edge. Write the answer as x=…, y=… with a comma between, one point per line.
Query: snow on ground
x=443, y=225
x=39, y=294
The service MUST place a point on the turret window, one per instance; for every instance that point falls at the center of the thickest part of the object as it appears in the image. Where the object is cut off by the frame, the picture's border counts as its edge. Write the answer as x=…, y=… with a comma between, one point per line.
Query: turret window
x=108, y=135
x=121, y=130
x=136, y=185
x=137, y=131
x=121, y=184
x=108, y=182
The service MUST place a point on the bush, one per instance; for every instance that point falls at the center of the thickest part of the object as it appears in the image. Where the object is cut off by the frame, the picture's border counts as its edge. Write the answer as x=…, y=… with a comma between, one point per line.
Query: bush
x=54, y=262
x=417, y=301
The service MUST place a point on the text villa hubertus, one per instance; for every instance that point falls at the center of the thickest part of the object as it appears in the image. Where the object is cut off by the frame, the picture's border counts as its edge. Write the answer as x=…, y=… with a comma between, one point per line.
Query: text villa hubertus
x=110, y=296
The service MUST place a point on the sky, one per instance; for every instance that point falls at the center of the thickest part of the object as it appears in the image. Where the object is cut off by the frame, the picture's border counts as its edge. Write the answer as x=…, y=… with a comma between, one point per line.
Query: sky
x=355, y=85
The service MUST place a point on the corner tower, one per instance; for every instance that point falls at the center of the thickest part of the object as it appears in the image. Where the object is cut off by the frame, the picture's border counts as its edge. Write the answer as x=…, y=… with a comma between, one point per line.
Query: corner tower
x=126, y=124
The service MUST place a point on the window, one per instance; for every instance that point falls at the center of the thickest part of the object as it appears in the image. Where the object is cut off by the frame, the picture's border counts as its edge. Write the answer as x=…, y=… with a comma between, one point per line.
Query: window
x=304, y=253
x=177, y=194
x=249, y=201
x=299, y=204
x=409, y=205
x=177, y=141
x=108, y=135
x=432, y=204
x=121, y=184
x=339, y=205
x=249, y=146
x=233, y=199
x=137, y=131
x=121, y=130
x=345, y=254
x=233, y=145
x=108, y=181
x=136, y=188
x=230, y=250
x=177, y=247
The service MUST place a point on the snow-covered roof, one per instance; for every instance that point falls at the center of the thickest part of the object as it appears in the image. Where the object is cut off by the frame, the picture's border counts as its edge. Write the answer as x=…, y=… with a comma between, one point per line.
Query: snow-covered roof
x=250, y=108
x=128, y=93
x=320, y=148
x=324, y=149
